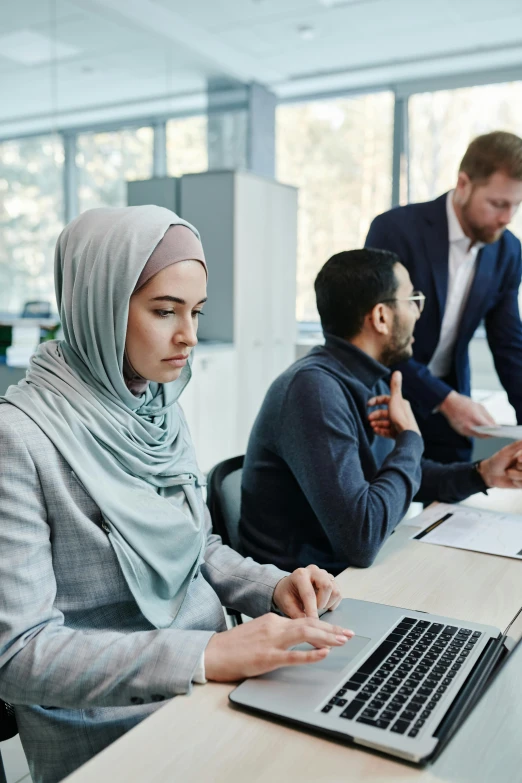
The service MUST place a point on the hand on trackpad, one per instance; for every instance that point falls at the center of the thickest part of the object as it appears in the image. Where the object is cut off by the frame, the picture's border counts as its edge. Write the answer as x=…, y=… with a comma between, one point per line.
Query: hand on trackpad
x=339, y=657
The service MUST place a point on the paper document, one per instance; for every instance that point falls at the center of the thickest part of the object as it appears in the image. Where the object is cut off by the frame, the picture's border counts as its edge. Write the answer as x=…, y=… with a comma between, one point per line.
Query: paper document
x=464, y=527
x=502, y=431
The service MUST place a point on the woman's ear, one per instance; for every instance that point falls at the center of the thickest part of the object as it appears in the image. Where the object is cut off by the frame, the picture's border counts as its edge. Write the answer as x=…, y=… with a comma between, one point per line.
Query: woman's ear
x=379, y=319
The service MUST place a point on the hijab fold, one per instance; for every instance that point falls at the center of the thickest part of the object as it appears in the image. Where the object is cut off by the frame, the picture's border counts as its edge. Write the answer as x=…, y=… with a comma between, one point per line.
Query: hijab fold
x=132, y=453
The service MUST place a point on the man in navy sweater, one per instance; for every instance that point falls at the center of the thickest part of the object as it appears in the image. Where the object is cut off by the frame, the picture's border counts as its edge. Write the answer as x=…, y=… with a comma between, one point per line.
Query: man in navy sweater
x=327, y=474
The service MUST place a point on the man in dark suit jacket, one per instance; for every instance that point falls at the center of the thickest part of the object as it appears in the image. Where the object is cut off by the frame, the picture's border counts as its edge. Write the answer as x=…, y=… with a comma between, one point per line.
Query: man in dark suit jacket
x=460, y=255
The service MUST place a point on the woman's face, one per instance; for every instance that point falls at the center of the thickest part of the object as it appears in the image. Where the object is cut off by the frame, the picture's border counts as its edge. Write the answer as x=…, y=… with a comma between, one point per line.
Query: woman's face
x=163, y=321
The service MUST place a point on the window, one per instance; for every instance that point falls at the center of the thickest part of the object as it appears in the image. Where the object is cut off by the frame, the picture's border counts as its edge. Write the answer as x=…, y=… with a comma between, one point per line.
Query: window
x=339, y=154
x=441, y=125
x=107, y=160
x=187, y=146
x=31, y=209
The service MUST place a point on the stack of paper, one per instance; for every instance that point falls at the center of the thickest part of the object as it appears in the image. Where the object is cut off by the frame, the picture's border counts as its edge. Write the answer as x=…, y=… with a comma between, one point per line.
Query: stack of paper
x=465, y=527
x=513, y=431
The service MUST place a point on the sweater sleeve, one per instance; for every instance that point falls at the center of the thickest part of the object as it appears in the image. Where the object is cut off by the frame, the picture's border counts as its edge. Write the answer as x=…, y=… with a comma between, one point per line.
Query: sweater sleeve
x=320, y=443
x=449, y=483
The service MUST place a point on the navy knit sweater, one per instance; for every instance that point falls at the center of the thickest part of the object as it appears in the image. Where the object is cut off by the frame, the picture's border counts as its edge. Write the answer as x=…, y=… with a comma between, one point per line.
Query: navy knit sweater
x=318, y=486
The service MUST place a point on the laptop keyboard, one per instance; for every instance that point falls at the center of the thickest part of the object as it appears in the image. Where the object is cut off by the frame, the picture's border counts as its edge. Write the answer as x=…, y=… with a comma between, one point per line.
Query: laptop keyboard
x=402, y=681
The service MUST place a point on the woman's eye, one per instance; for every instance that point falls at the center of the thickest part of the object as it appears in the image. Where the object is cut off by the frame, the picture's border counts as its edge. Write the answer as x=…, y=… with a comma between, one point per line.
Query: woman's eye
x=195, y=313
x=164, y=313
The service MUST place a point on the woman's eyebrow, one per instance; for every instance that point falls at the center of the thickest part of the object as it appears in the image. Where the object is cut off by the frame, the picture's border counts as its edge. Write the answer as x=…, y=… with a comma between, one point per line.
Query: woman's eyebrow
x=176, y=299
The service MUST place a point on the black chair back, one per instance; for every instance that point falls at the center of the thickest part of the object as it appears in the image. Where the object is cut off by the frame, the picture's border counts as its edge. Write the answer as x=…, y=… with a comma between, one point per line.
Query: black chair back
x=8, y=729
x=224, y=499
x=224, y=503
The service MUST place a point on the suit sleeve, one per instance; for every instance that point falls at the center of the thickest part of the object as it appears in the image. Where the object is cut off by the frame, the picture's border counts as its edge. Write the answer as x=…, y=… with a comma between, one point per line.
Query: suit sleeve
x=419, y=385
x=320, y=444
x=504, y=333
x=449, y=483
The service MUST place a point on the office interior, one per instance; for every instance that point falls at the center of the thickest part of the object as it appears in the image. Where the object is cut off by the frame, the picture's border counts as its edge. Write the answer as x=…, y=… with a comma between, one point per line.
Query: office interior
x=279, y=127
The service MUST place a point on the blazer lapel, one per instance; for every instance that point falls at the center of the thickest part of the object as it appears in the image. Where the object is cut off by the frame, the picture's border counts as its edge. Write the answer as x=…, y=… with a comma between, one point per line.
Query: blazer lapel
x=436, y=243
x=480, y=288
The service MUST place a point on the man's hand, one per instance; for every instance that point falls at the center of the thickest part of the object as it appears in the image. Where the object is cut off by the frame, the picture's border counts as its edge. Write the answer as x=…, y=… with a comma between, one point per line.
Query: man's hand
x=262, y=645
x=305, y=591
x=503, y=469
x=397, y=417
x=463, y=414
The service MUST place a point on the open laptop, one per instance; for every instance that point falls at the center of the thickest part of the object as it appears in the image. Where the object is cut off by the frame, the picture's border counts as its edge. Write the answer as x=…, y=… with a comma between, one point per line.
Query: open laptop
x=401, y=686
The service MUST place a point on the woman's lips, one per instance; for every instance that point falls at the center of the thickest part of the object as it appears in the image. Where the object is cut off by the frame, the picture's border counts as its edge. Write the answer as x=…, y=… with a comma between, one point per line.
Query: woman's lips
x=176, y=361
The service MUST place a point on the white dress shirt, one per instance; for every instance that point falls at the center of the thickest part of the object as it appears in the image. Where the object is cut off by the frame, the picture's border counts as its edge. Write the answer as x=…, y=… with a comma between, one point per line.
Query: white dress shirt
x=462, y=262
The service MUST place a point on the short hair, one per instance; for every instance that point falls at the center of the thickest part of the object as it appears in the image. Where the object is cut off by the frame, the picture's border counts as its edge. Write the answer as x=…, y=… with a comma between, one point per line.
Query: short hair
x=492, y=152
x=349, y=286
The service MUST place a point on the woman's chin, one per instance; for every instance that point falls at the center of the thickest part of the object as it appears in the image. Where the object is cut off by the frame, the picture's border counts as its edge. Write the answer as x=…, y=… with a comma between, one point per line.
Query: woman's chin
x=164, y=375
x=170, y=375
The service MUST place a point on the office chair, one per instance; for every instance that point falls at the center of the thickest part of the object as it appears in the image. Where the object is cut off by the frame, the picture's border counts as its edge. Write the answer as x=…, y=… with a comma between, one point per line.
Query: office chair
x=224, y=503
x=8, y=729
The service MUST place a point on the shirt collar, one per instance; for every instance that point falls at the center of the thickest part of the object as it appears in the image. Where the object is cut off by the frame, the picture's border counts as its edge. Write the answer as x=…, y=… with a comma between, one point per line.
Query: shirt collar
x=359, y=364
x=455, y=232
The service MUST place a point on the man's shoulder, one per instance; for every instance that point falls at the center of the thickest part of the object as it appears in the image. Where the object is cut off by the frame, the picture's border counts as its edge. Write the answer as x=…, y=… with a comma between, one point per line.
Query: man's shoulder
x=407, y=214
x=511, y=243
x=313, y=368
x=318, y=375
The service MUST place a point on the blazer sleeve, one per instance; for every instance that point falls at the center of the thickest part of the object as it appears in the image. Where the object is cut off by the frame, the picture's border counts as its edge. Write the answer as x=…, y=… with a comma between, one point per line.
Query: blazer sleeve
x=44, y=661
x=419, y=385
x=504, y=333
x=320, y=444
x=239, y=581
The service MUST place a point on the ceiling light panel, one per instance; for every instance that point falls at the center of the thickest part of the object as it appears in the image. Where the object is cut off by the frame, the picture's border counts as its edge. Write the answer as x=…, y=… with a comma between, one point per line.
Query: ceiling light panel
x=30, y=48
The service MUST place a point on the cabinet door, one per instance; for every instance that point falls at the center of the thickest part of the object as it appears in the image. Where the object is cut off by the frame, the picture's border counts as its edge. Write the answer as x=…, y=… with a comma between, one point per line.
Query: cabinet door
x=281, y=273
x=212, y=406
x=252, y=295
x=218, y=408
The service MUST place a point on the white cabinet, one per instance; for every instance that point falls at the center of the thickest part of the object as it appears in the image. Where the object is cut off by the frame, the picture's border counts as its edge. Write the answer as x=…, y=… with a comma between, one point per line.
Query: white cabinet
x=210, y=402
x=248, y=226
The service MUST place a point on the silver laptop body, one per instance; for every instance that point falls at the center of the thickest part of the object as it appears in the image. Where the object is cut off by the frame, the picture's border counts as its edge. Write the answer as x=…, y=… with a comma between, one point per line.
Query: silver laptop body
x=389, y=688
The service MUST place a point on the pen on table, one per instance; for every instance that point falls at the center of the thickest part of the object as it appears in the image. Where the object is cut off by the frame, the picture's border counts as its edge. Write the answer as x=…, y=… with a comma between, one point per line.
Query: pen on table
x=433, y=526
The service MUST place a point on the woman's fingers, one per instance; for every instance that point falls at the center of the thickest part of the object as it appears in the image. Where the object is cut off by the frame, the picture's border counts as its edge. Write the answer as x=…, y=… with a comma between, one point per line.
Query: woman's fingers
x=306, y=591
x=298, y=657
x=263, y=645
x=323, y=585
x=315, y=632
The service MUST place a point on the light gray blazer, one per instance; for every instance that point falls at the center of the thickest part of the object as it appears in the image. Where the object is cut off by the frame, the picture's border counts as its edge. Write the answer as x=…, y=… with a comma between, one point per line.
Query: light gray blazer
x=77, y=658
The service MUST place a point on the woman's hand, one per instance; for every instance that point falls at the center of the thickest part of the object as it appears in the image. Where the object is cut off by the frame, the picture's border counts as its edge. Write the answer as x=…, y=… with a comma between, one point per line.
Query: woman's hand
x=262, y=645
x=306, y=591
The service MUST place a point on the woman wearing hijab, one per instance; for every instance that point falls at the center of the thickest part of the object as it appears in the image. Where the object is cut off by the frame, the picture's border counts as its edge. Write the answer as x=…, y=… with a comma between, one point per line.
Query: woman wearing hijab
x=111, y=581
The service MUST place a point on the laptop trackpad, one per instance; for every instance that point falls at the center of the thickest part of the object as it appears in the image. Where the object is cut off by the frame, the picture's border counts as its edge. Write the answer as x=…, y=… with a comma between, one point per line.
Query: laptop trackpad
x=338, y=658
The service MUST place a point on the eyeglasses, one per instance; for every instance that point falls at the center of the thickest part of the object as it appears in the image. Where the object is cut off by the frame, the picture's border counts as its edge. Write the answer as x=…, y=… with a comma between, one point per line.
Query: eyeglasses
x=417, y=296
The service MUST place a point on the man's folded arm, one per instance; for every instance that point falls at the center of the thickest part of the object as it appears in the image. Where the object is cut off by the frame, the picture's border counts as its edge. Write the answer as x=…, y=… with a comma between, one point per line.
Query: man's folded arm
x=320, y=444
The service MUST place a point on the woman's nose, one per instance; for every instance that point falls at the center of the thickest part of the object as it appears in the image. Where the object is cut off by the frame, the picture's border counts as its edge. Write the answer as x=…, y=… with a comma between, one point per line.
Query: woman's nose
x=187, y=334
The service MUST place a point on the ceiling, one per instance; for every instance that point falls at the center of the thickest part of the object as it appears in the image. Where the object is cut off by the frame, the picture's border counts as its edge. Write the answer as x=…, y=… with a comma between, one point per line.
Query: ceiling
x=72, y=62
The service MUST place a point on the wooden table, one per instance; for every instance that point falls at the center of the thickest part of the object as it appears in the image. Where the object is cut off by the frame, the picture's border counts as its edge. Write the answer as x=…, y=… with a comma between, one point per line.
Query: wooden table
x=201, y=738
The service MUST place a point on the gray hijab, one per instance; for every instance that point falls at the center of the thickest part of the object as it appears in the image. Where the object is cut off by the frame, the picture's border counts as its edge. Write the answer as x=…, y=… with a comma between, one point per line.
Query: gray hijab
x=133, y=454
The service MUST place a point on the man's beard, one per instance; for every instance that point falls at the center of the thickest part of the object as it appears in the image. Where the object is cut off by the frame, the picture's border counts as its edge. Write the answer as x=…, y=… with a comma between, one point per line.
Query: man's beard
x=479, y=233
x=399, y=347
